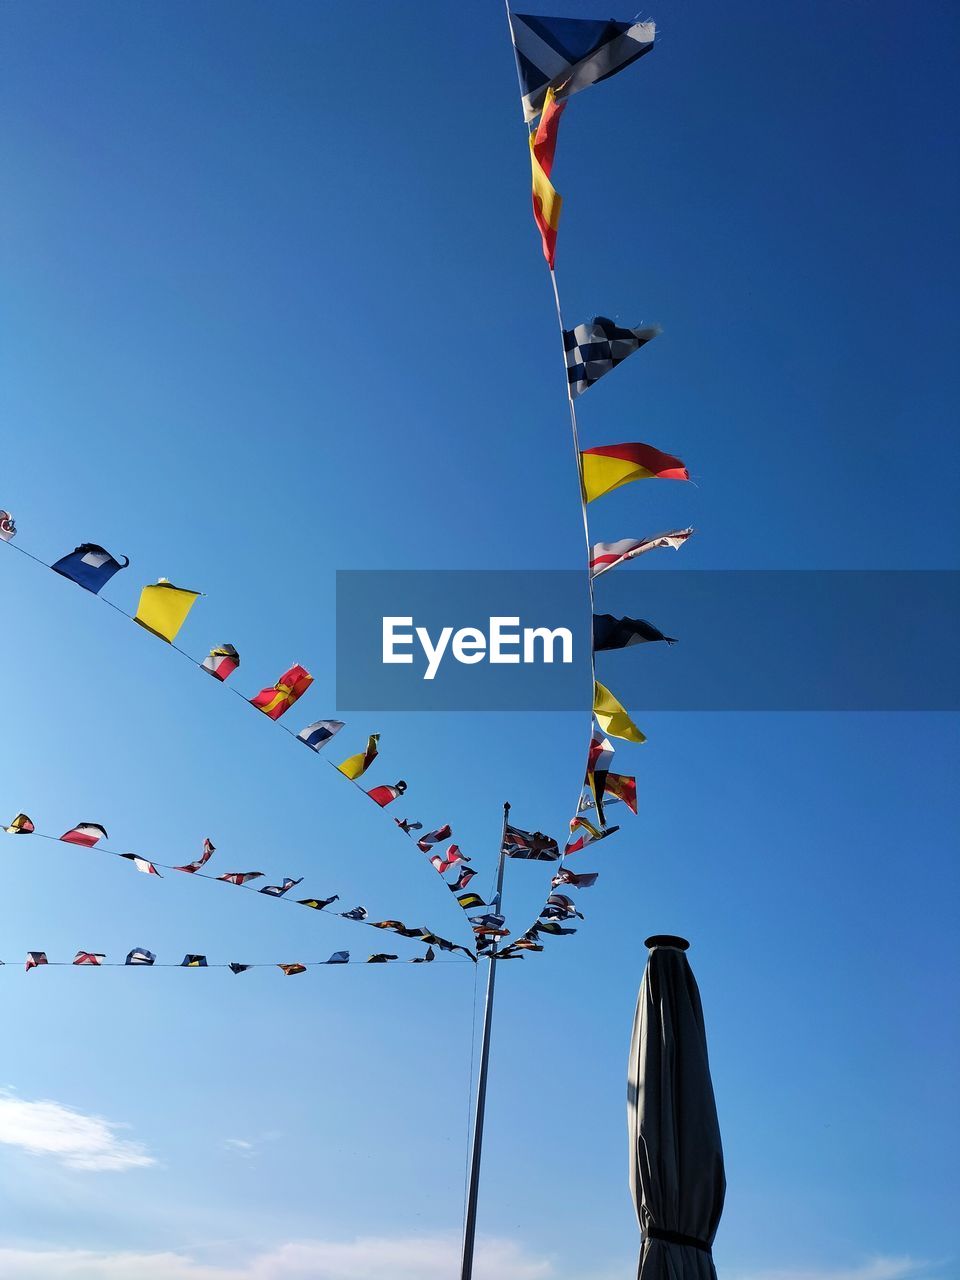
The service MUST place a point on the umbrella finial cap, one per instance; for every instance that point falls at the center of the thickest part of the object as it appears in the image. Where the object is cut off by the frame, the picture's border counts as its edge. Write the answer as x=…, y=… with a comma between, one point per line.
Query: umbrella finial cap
x=666, y=940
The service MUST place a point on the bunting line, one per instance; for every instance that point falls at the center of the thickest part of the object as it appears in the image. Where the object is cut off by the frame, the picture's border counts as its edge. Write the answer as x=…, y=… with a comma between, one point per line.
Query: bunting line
x=357, y=915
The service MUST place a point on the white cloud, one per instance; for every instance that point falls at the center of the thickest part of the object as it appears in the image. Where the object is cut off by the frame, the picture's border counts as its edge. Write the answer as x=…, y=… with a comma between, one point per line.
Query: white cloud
x=76, y=1140
x=240, y=1145
x=880, y=1268
x=405, y=1258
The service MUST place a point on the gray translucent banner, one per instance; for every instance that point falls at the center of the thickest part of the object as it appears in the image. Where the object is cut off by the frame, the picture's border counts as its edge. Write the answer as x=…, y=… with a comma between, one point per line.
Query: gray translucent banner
x=748, y=640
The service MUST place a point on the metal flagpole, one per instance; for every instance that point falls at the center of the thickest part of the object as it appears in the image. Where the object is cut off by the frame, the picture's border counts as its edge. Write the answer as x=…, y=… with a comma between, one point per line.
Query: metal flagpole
x=470, y=1218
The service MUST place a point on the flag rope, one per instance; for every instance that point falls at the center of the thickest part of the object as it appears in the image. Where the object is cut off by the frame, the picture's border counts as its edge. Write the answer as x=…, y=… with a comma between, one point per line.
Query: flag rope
x=221, y=964
x=198, y=663
x=205, y=875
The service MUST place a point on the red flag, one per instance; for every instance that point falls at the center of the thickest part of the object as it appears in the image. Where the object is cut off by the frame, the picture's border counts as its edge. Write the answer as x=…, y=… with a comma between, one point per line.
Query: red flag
x=293, y=684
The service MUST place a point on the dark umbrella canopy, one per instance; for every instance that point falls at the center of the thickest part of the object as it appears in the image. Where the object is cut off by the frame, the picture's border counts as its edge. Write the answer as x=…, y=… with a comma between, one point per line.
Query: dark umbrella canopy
x=676, y=1160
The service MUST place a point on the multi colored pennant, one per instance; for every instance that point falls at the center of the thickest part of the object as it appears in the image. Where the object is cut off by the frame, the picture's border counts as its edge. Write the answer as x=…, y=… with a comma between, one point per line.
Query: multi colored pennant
x=35, y=958
x=86, y=834
x=278, y=890
x=280, y=697
x=140, y=955
x=530, y=845
x=89, y=957
x=234, y=967
x=163, y=609
x=89, y=566
x=442, y=862
x=570, y=54
x=598, y=762
x=221, y=662
x=469, y=900
x=8, y=526
x=426, y=843
x=594, y=349
x=612, y=717
x=142, y=864
x=560, y=906
x=240, y=877
x=318, y=904
x=407, y=827
x=190, y=961
x=609, y=466
x=546, y=202
x=620, y=633
x=583, y=880
x=590, y=835
x=192, y=867
x=356, y=766
x=380, y=957
x=607, y=555
x=386, y=795
x=291, y=969
x=20, y=826
x=356, y=913
x=317, y=735
x=622, y=787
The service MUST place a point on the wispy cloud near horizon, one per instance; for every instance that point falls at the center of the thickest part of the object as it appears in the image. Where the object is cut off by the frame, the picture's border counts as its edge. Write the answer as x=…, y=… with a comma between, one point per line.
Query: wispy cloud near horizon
x=75, y=1140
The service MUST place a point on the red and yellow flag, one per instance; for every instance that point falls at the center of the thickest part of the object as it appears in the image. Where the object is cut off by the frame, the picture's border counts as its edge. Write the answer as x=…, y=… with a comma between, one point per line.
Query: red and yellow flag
x=610, y=465
x=546, y=202
x=277, y=699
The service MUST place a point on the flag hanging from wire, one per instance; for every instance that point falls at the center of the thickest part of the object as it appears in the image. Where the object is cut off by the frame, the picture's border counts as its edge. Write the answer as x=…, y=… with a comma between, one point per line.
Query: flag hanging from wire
x=89, y=957
x=426, y=842
x=546, y=202
x=193, y=962
x=89, y=566
x=280, y=697
x=291, y=969
x=623, y=787
x=609, y=466
x=612, y=717
x=620, y=633
x=21, y=826
x=140, y=955
x=442, y=862
x=142, y=864
x=221, y=662
x=356, y=766
x=85, y=833
x=240, y=877
x=583, y=880
x=317, y=735
x=570, y=54
x=594, y=349
x=278, y=890
x=318, y=904
x=385, y=795
x=607, y=555
x=35, y=958
x=598, y=762
x=8, y=526
x=191, y=867
x=163, y=609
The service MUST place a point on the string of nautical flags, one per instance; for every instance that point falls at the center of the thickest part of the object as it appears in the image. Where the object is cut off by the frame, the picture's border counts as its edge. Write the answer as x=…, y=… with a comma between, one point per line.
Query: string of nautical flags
x=141, y=958
x=556, y=58
x=89, y=835
x=163, y=609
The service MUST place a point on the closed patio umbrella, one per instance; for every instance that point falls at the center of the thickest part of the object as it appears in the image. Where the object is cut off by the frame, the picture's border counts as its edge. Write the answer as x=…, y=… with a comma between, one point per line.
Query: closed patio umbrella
x=676, y=1160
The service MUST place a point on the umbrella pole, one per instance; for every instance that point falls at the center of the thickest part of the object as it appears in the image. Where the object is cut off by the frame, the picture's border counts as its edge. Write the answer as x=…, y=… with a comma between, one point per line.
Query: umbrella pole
x=470, y=1218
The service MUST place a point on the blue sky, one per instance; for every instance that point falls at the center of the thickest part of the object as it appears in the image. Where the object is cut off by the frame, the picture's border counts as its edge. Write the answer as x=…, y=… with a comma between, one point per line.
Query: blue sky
x=275, y=306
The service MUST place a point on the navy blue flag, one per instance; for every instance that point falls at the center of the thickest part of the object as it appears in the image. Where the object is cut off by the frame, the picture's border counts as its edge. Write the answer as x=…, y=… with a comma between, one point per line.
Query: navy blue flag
x=319, y=733
x=339, y=957
x=193, y=962
x=533, y=845
x=570, y=54
x=619, y=633
x=89, y=566
x=140, y=955
x=594, y=349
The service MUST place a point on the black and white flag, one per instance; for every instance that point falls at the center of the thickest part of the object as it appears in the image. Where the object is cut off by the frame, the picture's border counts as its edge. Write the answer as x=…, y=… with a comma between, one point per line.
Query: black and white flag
x=594, y=349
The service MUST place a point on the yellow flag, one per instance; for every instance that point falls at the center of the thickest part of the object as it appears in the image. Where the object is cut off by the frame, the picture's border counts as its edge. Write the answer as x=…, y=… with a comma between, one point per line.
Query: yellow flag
x=356, y=765
x=612, y=717
x=163, y=608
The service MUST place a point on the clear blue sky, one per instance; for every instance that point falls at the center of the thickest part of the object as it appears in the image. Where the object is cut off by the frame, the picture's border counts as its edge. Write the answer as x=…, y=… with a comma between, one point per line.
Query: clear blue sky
x=274, y=306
